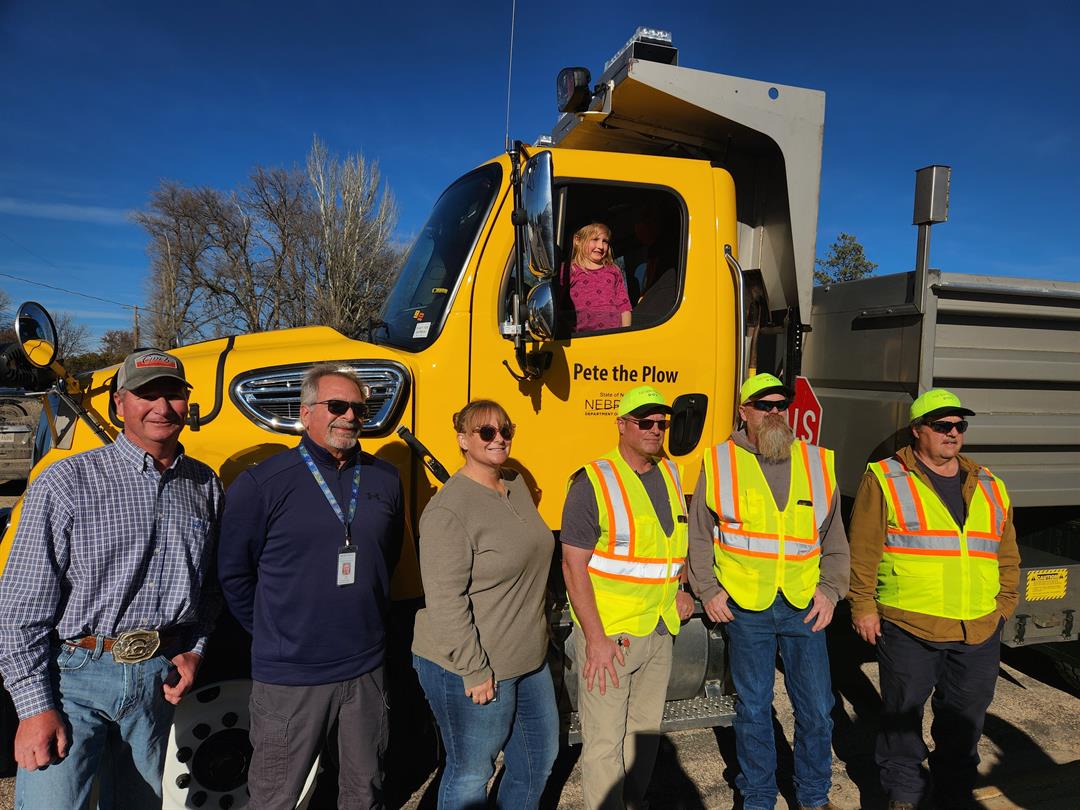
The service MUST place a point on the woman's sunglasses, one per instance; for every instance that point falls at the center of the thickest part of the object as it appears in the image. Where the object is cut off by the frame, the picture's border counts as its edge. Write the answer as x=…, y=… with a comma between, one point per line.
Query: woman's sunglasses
x=339, y=407
x=487, y=432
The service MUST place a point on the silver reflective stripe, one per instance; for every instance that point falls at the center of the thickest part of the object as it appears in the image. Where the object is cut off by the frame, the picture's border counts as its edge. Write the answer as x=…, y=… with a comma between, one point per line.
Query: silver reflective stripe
x=619, y=517
x=818, y=490
x=985, y=546
x=674, y=473
x=796, y=549
x=922, y=541
x=741, y=542
x=725, y=483
x=986, y=483
x=634, y=570
x=909, y=514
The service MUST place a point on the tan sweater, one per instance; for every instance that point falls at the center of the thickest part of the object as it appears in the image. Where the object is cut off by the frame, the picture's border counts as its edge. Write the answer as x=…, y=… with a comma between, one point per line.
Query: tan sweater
x=484, y=560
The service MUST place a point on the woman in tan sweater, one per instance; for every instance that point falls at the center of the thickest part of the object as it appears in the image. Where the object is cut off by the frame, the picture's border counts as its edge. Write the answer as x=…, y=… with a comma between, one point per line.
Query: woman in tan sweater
x=480, y=643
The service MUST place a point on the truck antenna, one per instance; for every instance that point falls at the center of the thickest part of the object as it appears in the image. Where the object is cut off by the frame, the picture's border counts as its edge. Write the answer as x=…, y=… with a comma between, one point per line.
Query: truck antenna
x=510, y=70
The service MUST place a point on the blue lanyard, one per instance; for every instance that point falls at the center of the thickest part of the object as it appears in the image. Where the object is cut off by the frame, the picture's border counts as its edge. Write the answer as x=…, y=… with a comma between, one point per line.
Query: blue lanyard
x=330, y=495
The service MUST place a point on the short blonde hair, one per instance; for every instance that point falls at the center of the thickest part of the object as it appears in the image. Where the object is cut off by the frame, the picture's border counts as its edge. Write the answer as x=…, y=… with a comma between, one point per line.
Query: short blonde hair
x=474, y=415
x=583, y=235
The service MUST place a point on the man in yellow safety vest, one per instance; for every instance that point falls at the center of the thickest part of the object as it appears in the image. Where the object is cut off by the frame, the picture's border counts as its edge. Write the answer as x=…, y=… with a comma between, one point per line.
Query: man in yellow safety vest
x=933, y=554
x=769, y=559
x=623, y=548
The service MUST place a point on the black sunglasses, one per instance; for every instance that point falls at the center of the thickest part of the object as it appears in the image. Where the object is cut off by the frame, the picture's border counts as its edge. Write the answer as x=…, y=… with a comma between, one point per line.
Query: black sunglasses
x=944, y=428
x=339, y=407
x=648, y=424
x=766, y=405
x=487, y=432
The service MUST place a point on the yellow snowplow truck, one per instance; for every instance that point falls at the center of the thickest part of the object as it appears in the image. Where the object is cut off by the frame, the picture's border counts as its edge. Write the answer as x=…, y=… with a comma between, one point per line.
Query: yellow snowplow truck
x=709, y=184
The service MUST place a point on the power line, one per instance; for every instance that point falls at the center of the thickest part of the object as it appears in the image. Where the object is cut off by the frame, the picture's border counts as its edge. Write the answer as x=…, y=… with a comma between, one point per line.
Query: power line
x=39, y=257
x=71, y=292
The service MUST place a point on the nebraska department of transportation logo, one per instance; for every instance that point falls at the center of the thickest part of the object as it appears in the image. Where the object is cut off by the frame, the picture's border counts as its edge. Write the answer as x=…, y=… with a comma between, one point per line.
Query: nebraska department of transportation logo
x=155, y=361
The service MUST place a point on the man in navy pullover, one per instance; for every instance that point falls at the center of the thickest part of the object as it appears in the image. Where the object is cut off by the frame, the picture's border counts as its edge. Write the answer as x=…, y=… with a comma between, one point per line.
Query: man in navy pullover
x=309, y=539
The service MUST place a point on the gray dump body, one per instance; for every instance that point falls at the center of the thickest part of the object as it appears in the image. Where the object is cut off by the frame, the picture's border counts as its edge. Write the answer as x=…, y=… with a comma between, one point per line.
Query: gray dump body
x=1010, y=349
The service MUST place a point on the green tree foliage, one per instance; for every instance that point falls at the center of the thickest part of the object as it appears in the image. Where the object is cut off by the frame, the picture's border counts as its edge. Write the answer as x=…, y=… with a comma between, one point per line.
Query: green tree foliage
x=845, y=261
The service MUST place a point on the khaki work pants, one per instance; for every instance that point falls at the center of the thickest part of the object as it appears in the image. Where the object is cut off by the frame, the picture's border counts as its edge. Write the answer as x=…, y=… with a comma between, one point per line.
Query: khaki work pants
x=620, y=730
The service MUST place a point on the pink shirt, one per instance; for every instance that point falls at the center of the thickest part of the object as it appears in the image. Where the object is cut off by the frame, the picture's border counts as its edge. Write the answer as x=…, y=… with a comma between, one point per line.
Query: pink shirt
x=599, y=297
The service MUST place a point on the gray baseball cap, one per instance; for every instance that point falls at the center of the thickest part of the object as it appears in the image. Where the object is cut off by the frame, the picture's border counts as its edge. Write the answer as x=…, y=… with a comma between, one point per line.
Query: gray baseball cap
x=145, y=365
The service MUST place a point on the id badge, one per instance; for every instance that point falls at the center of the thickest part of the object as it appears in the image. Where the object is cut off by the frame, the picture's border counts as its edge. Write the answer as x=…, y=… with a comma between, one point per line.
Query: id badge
x=346, y=565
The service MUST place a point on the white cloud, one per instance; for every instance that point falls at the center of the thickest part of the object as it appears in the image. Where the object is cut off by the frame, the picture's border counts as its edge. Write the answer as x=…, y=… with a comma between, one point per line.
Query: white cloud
x=96, y=214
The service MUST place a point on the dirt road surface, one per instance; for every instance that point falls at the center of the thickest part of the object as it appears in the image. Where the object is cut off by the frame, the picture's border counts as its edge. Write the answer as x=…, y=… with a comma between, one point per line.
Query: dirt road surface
x=1030, y=747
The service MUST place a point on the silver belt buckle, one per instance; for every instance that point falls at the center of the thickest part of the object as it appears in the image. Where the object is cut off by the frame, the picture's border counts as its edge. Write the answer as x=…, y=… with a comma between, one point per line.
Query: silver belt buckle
x=134, y=646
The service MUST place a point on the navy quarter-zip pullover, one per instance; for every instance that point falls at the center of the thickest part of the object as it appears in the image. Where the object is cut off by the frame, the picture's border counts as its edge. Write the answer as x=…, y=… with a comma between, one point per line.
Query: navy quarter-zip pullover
x=278, y=557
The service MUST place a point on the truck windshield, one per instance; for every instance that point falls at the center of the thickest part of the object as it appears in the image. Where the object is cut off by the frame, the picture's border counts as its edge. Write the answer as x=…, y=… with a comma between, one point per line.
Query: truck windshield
x=415, y=309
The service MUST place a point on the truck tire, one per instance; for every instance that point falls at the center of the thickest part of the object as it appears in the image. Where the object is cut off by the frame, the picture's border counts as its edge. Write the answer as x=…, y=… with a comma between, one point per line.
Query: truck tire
x=1066, y=659
x=209, y=751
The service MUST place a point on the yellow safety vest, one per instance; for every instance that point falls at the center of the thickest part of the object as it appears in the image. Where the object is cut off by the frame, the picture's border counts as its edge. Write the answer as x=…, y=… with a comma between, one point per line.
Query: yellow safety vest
x=930, y=564
x=759, y=549
x=635, y=567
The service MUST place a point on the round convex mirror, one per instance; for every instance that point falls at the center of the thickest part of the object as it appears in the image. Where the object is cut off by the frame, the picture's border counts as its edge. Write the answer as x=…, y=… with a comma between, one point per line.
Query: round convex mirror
x=36, y=334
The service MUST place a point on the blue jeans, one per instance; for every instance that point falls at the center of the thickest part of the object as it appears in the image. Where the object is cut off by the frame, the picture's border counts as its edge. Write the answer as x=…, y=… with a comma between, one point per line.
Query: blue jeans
x=753, y=637
x=118, y=722
x=523, y=722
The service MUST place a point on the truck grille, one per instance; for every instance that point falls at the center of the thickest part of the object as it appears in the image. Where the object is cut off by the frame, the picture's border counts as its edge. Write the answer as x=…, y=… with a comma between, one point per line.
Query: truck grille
x=271, y=397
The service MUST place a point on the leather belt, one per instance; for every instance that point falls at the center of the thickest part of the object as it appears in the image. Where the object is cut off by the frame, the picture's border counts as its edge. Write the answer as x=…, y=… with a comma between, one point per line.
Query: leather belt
x=131, y=646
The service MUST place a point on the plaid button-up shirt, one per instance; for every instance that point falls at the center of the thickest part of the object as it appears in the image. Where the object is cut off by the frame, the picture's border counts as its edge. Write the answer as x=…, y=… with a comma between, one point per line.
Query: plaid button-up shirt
x=105, y=543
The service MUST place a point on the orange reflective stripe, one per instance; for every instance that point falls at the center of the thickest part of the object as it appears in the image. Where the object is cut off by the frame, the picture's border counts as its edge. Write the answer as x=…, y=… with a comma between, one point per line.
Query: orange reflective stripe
x=925, y=552
x=734, y=482
x=1000, y=503
x=598, y=553
x=825, y=475
x=894, y=495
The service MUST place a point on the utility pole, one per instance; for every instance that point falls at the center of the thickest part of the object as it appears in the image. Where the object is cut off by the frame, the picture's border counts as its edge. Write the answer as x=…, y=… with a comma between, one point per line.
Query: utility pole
x=135, y=330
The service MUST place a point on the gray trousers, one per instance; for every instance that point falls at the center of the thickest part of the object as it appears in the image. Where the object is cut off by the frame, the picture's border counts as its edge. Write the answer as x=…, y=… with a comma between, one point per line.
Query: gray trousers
x=290, y=724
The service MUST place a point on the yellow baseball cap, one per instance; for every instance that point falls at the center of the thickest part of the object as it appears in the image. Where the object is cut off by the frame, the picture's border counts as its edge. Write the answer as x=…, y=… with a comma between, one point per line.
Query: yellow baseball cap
x=761, y=384
x=938, y=402
x=643, y=401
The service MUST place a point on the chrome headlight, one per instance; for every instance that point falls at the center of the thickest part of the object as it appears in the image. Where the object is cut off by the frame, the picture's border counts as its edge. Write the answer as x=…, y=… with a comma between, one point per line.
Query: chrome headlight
x=270, y=397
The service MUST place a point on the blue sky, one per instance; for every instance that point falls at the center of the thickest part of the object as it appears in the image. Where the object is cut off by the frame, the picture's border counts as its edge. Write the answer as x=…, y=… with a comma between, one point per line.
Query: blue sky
x=100, y=101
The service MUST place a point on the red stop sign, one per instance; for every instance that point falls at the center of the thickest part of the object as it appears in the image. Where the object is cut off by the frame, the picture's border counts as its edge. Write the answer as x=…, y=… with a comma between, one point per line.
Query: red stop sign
x=804, y=415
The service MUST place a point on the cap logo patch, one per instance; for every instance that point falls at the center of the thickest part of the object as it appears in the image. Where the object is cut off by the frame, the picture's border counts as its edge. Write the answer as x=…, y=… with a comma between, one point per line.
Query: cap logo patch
x=155, y=361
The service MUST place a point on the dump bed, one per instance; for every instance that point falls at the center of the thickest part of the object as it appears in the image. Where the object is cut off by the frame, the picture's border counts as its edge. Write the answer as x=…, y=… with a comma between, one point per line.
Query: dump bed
x=1008, y=347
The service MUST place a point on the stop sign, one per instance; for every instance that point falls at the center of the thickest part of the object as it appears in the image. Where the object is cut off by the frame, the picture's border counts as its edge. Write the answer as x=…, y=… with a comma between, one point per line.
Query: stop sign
x=804, y=415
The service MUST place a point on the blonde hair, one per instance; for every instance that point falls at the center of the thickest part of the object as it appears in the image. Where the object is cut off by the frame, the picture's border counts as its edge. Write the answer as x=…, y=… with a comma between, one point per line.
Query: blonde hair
x=583, y=235
x=471, y=415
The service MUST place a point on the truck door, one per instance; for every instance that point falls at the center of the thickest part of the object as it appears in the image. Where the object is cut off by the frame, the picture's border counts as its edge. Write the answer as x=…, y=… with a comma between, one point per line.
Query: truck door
x=661, y=213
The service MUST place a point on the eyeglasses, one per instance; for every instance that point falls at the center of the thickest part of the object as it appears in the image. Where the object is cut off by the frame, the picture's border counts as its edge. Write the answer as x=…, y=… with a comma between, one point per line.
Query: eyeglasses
x=648, y=424
x=944, y=428
x=766, y=405
x=339, y=407
x=487, y=432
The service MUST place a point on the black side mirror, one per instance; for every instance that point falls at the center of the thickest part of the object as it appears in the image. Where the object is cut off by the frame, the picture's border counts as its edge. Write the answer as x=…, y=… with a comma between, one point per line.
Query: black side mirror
x=687, y=421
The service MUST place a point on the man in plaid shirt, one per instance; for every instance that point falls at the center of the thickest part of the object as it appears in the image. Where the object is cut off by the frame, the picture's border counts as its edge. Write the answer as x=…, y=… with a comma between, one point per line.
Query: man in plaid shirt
x=107, y=599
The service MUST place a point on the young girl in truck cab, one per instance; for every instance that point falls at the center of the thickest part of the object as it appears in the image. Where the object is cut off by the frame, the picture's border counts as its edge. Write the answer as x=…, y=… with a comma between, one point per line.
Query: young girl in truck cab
x=597, y=289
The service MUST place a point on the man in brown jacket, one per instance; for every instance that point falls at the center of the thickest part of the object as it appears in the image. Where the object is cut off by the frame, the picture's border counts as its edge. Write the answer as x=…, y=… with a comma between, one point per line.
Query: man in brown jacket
x=934, y=574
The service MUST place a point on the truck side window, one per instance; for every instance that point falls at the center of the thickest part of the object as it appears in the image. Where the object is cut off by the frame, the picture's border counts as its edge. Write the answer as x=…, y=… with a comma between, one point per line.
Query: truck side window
x=647, y=227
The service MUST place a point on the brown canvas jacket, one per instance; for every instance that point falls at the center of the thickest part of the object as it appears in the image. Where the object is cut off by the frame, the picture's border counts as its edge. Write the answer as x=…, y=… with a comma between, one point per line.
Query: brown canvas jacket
x=867, y=535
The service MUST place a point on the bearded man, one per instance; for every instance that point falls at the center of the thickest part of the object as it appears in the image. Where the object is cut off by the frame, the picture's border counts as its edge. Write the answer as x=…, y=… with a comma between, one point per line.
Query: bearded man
x=309, y=540
x=769, y=559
